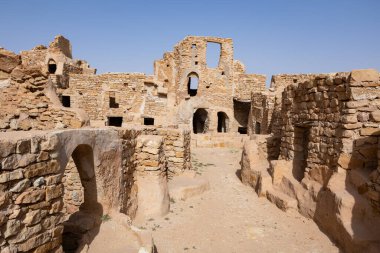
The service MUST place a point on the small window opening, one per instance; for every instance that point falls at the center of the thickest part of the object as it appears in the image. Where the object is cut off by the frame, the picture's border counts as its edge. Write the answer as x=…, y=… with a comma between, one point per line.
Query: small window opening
x=222, y=73
x=149, y=121
x=115, y=121
x=52, y=66
x=213, y=54
x=66, y=101
x=242, y=130
x=167, y=65
x=113, y=103
x=196, y=63
x=257, y=128
x=194, y=46
x=294, y=80
x=192, y=84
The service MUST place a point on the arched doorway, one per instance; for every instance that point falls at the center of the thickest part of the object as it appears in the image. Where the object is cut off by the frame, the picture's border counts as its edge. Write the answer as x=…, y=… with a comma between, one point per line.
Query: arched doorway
x=200, y=121
x=222, y=122
x=52, y=66
x=192, y=84
x=83, y=212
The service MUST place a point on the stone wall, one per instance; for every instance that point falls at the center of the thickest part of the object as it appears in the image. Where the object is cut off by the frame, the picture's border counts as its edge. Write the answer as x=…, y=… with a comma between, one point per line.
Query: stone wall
x=248, y=83
x=27, y=102
x=327, y=132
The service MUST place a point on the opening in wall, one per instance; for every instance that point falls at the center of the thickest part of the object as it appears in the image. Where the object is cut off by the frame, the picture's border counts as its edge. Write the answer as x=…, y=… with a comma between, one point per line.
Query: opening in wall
x=82, y=207
x=66, y=102
x=213, y=54
x=192, y=84
x=257, y=128
x=222, y=122
x=52, y=66
x=113, y=103
x=301, y=150
x=241, y=113
x=149, y=121
x=115, y=121
x=200, y=121
x=242, y=130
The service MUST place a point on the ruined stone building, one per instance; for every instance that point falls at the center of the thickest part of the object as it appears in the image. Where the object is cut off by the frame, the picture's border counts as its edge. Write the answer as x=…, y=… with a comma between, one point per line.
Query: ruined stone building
x=75, y=145
x=322, y=157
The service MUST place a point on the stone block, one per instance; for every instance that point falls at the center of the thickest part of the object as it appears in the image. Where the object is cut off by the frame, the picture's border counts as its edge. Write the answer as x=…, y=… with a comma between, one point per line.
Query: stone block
x=364, y=75
x=30, y=197
x=7, y=148
x=23, y=146
x=370, y=131
x=12, y=228
x=34, y=242
x=375, y=116
x=10, y=176
x=42, y=168
x=54, y=191
x=21, y=186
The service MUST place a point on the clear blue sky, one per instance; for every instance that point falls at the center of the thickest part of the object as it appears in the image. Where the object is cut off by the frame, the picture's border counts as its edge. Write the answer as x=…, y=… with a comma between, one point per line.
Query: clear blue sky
x=270, y=36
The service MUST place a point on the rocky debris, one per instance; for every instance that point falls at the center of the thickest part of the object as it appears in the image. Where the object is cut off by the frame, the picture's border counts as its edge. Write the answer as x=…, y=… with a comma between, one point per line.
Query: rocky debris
x=8, y=60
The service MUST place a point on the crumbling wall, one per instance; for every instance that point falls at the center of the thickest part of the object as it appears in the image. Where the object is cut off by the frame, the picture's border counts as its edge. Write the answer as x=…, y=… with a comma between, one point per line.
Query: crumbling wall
x=27, y=103
x=327, y=130
x=135, y=97
x=248, y=83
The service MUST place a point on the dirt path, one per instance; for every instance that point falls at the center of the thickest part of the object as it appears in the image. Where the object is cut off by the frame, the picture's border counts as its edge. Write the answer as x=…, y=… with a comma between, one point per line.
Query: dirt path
x=231, y=218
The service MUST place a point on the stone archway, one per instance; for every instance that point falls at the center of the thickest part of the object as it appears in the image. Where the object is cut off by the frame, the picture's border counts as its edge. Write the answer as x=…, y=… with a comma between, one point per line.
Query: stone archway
x=200, y=121
x=84, y=219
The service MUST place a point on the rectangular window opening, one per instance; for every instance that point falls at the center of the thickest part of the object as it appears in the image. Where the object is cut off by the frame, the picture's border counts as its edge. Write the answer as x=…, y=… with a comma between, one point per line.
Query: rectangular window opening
x=115, y=121
x=213, y=54
x=148, y=121
x=66, y=101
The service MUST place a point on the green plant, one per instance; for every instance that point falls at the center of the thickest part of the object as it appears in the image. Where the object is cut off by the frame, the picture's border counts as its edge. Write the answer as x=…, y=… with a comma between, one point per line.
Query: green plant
x=105, y=218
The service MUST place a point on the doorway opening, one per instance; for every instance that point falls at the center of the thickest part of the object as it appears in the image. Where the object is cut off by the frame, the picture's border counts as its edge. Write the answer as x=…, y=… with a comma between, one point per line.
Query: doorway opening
x=222, y=122
x=52, y=66
x=84, y=214
x=301, y=150
x=241, y=113
x=200, y=121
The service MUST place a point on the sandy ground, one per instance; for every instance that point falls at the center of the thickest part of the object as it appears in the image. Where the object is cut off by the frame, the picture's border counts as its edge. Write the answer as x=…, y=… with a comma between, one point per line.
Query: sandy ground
x=231, y=218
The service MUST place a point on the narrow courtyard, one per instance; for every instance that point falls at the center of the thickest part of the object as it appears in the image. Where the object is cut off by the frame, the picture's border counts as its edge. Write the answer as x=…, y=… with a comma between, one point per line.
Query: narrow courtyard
x=229, y=217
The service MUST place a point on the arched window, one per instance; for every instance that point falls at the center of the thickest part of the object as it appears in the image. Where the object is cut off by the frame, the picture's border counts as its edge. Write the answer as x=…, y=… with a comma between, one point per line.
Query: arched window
x=52, y=66
x=192, y=84
x=222, y=122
